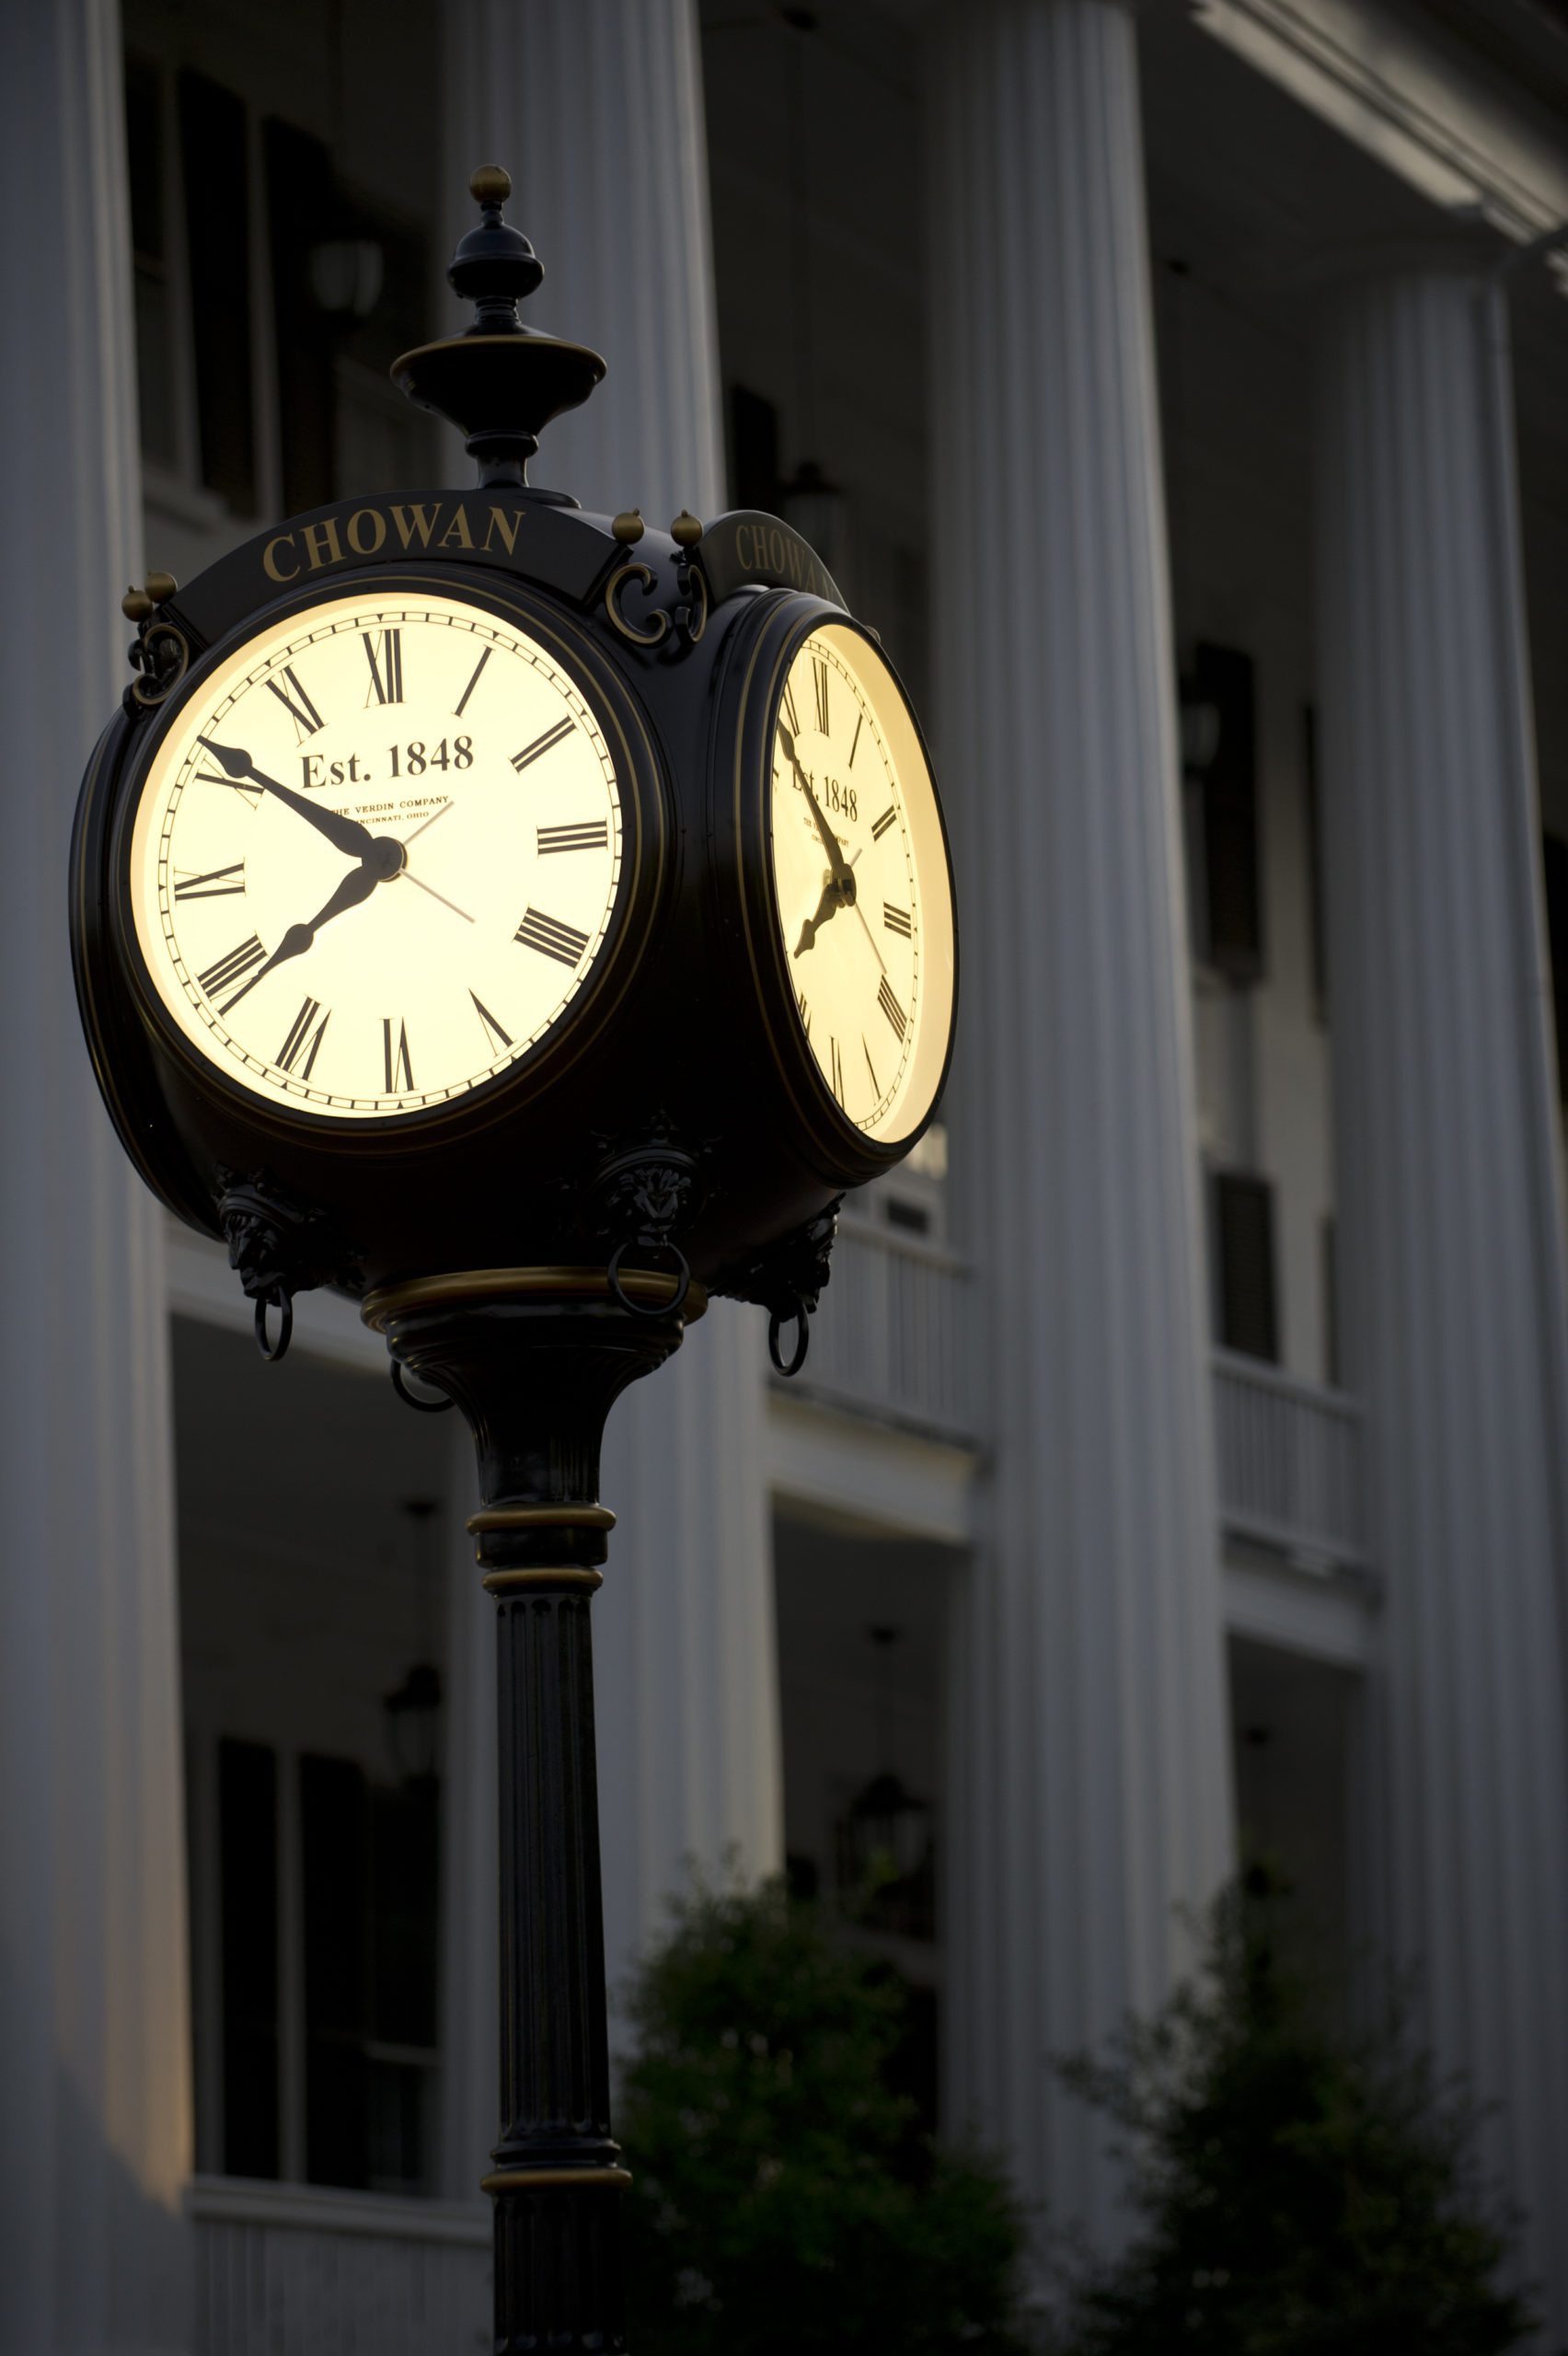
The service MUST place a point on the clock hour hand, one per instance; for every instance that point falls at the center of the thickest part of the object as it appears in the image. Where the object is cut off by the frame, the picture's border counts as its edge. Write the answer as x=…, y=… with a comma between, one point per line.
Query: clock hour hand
x=832, y=900
x=355, y=888
x=344, y=834
x=835, y=858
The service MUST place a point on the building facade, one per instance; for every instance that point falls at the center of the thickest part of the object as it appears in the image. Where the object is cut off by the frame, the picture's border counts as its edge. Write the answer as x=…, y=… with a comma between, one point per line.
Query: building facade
x=1181, y=1469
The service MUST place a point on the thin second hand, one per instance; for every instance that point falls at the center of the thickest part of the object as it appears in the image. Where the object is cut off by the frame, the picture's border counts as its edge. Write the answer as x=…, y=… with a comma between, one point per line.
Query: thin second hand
x=435, y=894
x=876, y=953
x=419, y=830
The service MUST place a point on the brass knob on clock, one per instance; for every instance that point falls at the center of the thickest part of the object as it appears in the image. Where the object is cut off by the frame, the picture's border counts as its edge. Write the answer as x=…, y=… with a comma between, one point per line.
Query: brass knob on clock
x=161, y=586
x=686, y=531
x=492, y=184
x=136, y=606
x=628, y=526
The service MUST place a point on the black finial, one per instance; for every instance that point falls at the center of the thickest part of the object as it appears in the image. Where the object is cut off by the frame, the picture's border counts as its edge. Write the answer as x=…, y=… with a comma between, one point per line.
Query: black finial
x=499, y=382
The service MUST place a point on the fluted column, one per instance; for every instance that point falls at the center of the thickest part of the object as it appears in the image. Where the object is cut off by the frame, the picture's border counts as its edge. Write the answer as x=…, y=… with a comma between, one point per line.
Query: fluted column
x=1089, y=1752
x=1453, y=1303
x=95, y=2112
x=596, y=107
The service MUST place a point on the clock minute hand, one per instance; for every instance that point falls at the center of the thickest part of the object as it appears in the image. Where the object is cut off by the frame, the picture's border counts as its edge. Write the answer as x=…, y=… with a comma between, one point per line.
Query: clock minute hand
x=344, y=834
x=835, y=858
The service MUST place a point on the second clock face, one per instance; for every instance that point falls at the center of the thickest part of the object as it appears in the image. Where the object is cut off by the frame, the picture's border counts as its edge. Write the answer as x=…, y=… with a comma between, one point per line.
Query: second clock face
x=377, y=855
x=862, y=886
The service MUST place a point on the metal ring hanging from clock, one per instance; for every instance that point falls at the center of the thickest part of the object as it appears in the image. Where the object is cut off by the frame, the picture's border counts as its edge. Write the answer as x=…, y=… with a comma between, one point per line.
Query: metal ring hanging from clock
x=283, y=1302
x=680, y=1272
x=801, y=1317
x=411, y=1398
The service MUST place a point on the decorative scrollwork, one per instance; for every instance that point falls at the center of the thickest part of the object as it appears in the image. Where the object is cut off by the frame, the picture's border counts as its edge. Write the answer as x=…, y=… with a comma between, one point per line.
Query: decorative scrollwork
x=162, y=656
x=658, y=626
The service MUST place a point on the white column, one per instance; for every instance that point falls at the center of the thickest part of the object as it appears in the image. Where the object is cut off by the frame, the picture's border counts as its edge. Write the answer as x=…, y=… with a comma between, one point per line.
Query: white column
x=595, y=108
x=95, y=2117
x=1090, y=1752
x=1453, y=1301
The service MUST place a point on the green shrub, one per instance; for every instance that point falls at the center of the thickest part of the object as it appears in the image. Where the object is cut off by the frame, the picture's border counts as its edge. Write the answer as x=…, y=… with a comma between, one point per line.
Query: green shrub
x=784, y=2198
x=1300, y=2191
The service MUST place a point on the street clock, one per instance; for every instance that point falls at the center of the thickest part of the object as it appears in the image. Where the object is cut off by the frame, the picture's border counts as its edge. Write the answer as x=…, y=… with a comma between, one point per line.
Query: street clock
x=528, y=923
x=468, y=881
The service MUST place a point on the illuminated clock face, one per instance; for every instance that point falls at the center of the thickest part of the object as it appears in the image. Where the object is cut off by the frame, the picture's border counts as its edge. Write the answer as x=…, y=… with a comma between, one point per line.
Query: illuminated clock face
x=861, y=884
x=377, y=857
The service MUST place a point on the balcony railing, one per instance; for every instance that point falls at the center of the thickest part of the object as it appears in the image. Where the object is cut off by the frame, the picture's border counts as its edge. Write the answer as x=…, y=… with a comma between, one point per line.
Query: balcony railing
x=893, y=1337
x=294, y=2269
x=1289, y=1463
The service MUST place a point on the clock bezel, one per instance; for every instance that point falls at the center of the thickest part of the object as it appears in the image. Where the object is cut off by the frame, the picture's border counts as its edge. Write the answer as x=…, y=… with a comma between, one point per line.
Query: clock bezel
x=645, y=820
x=785, y=620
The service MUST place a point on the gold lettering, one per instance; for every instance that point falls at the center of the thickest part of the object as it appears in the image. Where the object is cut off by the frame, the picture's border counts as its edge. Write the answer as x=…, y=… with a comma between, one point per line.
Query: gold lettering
x=507, y=527
x=457, y=530
x=268, y=561
x=776, y=549
x=422, y=520
x=743, y=547
x=354, y=527
x=320, y=537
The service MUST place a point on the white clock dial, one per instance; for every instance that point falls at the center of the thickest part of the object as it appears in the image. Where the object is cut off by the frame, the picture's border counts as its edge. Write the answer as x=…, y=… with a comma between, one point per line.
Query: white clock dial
x=377, y=855
x=861, y=884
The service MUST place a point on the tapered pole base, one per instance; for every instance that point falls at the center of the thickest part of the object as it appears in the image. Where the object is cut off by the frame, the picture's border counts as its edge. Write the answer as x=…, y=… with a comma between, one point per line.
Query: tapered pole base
x=535, y=1359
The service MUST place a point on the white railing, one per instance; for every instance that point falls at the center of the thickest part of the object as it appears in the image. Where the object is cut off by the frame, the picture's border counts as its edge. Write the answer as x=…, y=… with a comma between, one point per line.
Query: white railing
x=294, y=2269
x=892, y=1338
x=1289, y=1463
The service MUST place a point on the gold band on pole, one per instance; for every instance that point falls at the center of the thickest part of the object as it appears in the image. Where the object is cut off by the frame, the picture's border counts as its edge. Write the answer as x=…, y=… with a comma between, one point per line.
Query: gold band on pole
x=654, y=1285
x=570, y=1575
x=537, y=2179
x=540, y=1516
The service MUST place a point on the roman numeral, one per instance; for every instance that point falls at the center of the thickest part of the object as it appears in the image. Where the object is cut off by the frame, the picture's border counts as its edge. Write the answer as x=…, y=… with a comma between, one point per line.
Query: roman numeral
x=891, y=1008
x=386, y=673
x=458, y=707
x=298, y=704
x=837, y=1064
x=493, y=1032
x=542, y=744
x=870, y=1066
x=859, y=724
x=214, y=886
x=791, y=714
x=819, y=678
x=594, y=834
x=399, y=1070
x=896, y=920
x=229, y=969
x=551, y=938
x=884, y=822
x=248, y=786
x=300, y=1032
x=805, y=1013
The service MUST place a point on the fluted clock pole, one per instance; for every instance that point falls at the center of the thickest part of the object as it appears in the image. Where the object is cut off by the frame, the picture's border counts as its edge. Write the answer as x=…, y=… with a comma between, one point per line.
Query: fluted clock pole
x=535, y=1359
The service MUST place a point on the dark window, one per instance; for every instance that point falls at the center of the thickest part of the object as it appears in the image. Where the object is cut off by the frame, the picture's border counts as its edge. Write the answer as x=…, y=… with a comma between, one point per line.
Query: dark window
x=1314, y=825
x=335, y=1856
x=1244, y=1263
x=217, y=216
x=1556, y=857
x=754, y=450
x=247, y=1823
x=299, y=183
x=1219, y=759
x=370, y=1872
x=150, y=244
